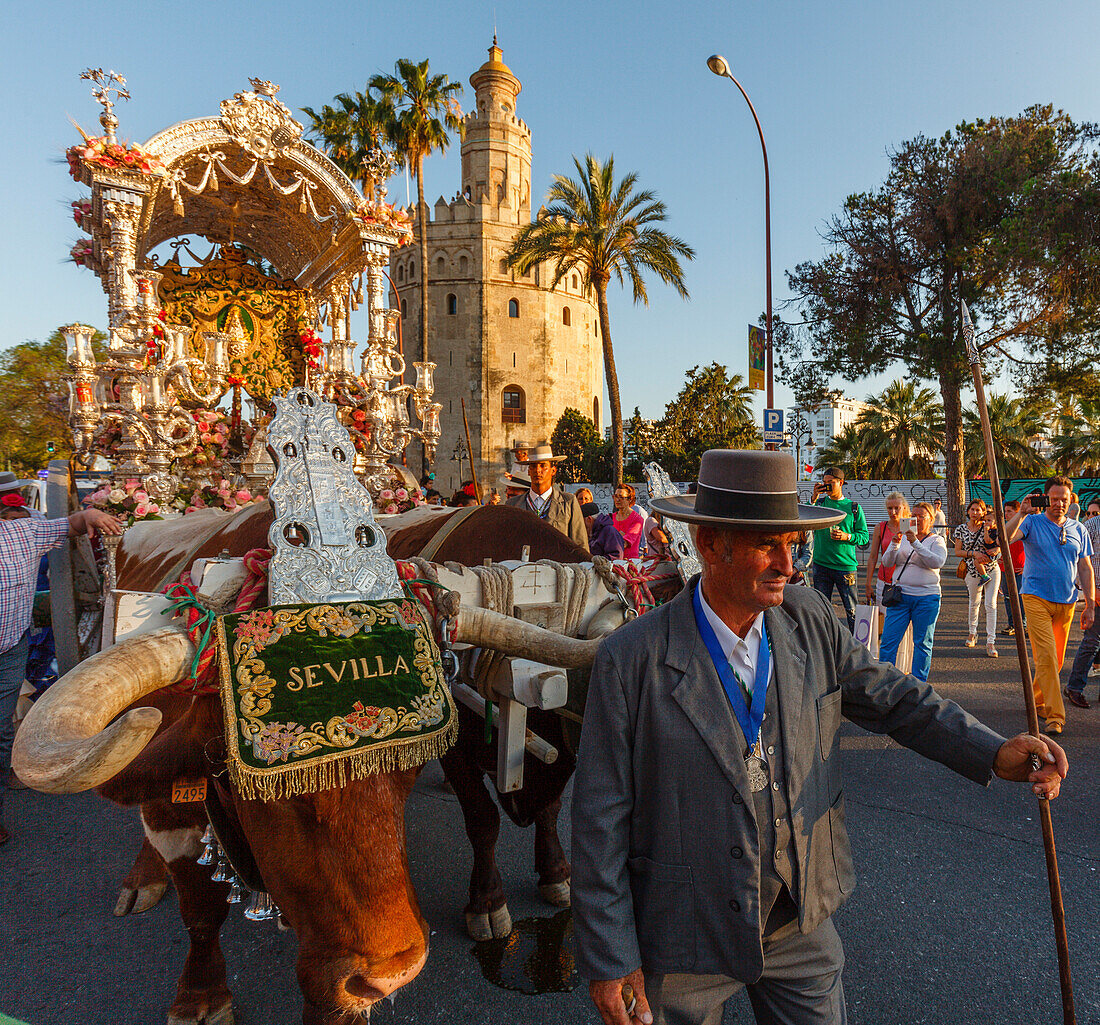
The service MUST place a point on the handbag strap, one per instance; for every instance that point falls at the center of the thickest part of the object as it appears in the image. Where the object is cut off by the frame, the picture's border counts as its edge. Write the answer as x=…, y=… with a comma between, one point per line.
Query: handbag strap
x=897, y=576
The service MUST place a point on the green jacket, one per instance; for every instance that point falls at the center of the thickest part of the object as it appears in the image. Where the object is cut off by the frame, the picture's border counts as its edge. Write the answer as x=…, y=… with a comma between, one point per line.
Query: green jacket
x=841, y=555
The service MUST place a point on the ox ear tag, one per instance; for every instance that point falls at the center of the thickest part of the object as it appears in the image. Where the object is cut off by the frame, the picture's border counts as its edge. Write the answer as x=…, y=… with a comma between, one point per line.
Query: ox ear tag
x=188, y=791
x=327, y=545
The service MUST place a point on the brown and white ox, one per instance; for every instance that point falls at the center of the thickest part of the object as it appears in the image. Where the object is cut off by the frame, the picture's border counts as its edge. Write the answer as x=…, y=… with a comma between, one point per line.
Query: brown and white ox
x=334, y=862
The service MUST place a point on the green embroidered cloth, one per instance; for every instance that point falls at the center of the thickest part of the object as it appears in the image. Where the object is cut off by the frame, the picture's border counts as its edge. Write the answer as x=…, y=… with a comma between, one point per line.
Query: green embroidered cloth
x=317, y=695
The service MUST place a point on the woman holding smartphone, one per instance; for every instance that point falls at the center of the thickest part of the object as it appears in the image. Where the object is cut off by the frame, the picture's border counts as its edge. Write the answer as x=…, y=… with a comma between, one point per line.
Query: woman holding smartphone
x=916, y=556
x=879, y=575
x=981, y=553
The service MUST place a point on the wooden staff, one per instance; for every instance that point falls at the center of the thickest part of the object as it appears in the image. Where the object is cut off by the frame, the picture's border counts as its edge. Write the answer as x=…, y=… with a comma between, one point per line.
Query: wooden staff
x=470, y=453
x=1057, y=909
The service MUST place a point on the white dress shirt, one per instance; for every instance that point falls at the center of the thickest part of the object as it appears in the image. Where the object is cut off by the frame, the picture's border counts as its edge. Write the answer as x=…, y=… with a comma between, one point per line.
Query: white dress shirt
x=742, y=653
x=538, y=502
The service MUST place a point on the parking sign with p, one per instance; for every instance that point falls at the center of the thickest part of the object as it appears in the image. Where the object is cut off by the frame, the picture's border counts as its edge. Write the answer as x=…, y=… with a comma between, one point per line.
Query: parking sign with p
x=773, y=426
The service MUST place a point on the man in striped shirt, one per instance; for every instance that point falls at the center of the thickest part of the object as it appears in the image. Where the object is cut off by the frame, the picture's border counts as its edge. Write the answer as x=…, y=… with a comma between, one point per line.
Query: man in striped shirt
x=23, y=542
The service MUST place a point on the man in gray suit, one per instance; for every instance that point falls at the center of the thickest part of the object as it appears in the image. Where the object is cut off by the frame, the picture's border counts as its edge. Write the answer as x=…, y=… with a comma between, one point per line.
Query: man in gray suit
x=709, y=848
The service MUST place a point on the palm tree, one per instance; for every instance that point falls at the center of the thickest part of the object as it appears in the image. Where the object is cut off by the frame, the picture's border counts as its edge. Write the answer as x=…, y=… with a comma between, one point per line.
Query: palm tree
x=1014, y=424
x=1075, y=449
x=901, y=431
x=602, y=228
x=847, y=452
x=349, y=130
x=423, y=109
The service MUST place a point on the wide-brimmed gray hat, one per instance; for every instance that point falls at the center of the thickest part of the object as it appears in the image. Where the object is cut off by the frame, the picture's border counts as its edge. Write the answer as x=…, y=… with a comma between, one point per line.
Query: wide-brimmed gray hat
x=540, y=454
x=752, y=490
x=9, y=482
x=515, y=480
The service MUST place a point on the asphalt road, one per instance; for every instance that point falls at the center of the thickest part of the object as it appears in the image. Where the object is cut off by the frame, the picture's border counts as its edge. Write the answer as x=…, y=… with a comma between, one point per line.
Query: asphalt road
x=949, y=922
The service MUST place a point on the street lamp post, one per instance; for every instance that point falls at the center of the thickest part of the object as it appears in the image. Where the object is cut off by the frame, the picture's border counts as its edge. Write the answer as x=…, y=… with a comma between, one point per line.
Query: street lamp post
x=721, y=67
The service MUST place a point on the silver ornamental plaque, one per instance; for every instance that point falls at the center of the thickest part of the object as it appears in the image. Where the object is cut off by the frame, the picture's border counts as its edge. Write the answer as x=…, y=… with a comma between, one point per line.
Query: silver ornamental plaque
x=326, y=542
x=682, y=547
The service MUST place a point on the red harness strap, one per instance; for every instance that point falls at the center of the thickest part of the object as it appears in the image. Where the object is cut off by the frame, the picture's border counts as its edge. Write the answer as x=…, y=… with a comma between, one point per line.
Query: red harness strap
x=638, y=581
x=200, y=620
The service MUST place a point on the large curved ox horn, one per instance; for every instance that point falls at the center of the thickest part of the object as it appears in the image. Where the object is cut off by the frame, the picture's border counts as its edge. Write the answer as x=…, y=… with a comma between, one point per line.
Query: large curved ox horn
x=65, y=744
x=487, y=629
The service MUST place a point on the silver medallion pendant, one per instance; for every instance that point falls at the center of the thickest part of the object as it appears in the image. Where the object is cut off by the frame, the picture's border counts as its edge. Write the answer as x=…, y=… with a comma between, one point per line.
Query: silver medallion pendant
x=756, y=767
x=758, y=773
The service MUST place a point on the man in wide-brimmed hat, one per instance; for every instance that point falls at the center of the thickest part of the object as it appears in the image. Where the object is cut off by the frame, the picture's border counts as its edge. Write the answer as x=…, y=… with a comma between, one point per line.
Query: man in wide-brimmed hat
x=550, y=501
x=709, y=848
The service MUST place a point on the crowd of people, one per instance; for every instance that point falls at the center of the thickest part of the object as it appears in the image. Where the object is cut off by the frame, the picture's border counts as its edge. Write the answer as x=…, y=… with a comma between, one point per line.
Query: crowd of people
x=1054, y=562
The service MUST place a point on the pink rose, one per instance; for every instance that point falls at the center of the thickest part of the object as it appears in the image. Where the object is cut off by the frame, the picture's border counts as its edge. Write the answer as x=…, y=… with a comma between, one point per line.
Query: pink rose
x=132, y=485
x=154, y=509
x=401, y=495
x=243, y=497
x=385, y=495
x=141, y=509
x=141, y=496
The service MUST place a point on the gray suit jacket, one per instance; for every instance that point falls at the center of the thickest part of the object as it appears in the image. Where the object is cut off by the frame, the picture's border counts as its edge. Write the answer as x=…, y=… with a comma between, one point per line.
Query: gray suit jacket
x=665, y=864
x=564, y=513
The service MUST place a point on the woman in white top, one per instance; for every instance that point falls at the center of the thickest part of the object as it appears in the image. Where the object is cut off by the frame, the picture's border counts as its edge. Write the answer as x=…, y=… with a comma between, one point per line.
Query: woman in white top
x=916, y=556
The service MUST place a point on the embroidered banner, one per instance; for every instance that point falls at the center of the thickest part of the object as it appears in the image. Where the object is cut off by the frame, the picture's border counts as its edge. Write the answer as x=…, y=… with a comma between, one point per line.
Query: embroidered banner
x=318, y=695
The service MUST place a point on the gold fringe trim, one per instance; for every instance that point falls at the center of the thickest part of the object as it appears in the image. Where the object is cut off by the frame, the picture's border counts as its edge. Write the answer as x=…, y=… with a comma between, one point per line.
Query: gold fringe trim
x=338, y=770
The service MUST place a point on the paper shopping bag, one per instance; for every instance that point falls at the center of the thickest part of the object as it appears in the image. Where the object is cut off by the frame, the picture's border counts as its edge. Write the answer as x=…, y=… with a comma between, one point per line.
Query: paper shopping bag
x=866, y=631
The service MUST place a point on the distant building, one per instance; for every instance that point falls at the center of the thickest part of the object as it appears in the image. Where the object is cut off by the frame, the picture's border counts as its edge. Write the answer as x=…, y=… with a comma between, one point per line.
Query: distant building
x=823, y=424
x=516, y=350
x=630, y=443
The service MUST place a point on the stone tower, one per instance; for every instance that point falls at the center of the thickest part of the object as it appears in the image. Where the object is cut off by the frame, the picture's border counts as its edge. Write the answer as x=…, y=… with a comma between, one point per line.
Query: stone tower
x=516, y=350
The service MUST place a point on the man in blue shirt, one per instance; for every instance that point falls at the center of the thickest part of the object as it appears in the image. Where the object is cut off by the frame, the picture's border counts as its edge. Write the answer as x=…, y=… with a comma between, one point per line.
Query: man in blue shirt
x=1057, y=553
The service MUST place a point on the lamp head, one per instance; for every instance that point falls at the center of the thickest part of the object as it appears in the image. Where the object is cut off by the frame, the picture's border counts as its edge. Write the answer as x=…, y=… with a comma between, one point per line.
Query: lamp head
x=719, y=66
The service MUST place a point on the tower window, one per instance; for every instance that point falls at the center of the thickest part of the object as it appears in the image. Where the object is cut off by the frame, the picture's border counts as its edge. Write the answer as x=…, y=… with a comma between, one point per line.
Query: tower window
x=513, y=307
x=441, y=266
x=565, y=317
x=574, y=280
x=596, y=412
x=463, y=265
x=513, y=406
x=412, y=270
x=401, y=273
x=404, y=308
x=503, y=266
x=452, y=303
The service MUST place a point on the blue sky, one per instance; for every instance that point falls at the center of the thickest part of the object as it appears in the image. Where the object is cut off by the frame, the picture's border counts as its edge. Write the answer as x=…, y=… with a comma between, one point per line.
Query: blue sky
x=835, y=85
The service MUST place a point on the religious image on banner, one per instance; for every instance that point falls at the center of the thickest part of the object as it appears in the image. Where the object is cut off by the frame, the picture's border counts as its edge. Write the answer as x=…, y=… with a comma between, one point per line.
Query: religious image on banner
x=758, y=347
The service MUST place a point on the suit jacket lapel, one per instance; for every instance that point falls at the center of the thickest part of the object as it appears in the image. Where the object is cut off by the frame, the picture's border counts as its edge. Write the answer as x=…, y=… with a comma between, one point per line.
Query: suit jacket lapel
x=789, y=662
x=701, y=696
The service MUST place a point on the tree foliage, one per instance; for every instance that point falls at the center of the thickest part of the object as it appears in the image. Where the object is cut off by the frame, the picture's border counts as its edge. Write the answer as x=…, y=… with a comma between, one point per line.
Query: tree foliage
x=712, y=410
x=603, y=228
x=1016, y=426
x=1075, y=449
x=902, y=431
x=575, y=437
x=35, y=411
x=349, y=128
x=999, y=212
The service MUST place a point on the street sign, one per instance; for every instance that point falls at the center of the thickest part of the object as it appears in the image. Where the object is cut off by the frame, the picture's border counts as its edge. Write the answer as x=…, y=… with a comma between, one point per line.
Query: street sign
x=773, y=426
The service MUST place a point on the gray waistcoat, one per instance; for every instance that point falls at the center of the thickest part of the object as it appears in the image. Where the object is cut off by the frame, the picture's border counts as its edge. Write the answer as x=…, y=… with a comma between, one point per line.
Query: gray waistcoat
x=777, y=852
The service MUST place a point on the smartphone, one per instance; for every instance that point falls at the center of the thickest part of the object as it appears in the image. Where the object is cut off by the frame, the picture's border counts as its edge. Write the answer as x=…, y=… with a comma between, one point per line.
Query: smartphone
x=907, y=524
x=1040, y=502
